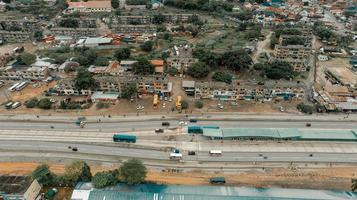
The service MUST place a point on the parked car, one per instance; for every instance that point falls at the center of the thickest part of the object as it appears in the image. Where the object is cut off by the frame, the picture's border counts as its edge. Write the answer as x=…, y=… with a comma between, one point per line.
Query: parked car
x=308, y=124
x=74, y=149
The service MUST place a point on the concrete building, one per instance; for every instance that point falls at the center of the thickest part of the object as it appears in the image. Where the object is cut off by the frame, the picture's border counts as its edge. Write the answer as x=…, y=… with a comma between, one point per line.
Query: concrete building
x=181, y=58
x=15, y=36
x=127, y=65
x=134, y=28
x=35, y=73
x=89, y=6
x=296, y=55
x=19, y=188
x=74, y=32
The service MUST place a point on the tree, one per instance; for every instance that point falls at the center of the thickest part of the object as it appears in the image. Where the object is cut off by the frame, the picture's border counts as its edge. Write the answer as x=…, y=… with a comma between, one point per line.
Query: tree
x=103, y=179
x=101, y=61
x=32, y=103
x=306, y=108
x=259, y=66
x=26, y=58
x=236, y=60
x=198, y=104
x=122, y=53
x=44, y=103
x=115, y=4
x=198, y=70
x=279, y=70
x=133, y=172
x=6, y=1
x=158, y=18
x=354, y=185
x=43, y=174
x=69, y=23
x=222, y=77
x=147, y=46
x=184, y=104
x=38, y=35
x=78, y=171
x=129, y=91
x=101, y=105
x=84, y=80
x=143, y=67
x=172, y=71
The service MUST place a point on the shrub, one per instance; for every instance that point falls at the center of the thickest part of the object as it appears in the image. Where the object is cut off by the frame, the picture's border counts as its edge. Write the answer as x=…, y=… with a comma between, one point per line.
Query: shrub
x=32, y=103
x=44, y=103
x=198, y=104
x=184, y=104
x=101, y=105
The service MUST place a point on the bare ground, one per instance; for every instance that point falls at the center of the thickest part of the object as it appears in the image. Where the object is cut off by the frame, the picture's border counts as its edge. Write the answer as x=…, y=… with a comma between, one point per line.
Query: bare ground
x=336, y=178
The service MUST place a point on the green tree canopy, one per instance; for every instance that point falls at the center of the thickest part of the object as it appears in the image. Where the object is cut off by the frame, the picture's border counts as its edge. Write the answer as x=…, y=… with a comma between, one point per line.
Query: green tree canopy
x=133, y=171
x=69, y=23
x=84, y=80
x=43, y=174
x=44, y=103
x=103, y=179
x=199, y=104
x=198, y=70
x=115, y=4
x=26, y=58
x=101, y=61
x=129, y=91
x=143, y=67
x=222, y=77
x=122, y=53
x=158, y=18
x=147, y=46
x=184, y=104
x=78, y=171
x=306, y=108
x=236, y=60
x=279, y=70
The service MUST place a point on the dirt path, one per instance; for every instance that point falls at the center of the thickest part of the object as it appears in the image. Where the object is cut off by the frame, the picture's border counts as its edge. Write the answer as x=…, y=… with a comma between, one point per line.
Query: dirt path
x=338, y=178
x=262, y=46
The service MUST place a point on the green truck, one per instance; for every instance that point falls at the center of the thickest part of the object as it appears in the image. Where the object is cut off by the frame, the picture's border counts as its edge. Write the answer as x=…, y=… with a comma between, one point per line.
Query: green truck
x=124, y=138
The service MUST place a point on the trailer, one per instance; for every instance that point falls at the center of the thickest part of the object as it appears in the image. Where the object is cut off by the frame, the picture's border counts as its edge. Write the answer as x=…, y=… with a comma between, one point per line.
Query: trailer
x=13, y=87
x=124, y=138
x=21, y=86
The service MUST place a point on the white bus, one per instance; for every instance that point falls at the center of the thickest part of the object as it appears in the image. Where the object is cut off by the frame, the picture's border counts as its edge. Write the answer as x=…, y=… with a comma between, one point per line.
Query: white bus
x=16, y=105
x=175, y=156
x=13, y=87
x=215, y=152
x=21, y=86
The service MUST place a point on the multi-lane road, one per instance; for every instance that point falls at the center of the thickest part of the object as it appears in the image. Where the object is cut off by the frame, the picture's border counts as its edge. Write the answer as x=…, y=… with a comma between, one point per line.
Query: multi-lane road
x=50, y=140
x=51, y=148
x=151, y=125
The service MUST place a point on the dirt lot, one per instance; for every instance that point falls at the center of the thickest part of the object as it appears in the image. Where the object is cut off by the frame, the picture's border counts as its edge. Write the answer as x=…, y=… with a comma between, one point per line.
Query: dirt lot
x=337, y=178
x=340, y=67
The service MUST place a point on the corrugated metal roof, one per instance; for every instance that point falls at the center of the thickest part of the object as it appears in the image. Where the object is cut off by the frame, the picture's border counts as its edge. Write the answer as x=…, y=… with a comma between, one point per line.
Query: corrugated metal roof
x=171, y=192
x=282, y=133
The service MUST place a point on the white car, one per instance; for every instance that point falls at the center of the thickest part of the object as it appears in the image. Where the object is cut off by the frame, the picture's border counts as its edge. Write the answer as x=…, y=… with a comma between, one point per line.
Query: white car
x=182, y=123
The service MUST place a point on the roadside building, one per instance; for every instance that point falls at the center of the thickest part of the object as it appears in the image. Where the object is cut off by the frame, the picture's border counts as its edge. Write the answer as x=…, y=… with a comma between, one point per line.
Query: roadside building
x=93, y=42
x=19, y=188
x=189, y=87
x=105, y=96
x=35, y=73
x=89, y=6
x=158, y=66
x=127, y=65
x=181, y=58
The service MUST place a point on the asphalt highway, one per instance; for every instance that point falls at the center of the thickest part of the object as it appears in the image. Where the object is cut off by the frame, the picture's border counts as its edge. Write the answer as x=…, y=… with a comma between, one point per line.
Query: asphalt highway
x=150, y=125
x=54, y=147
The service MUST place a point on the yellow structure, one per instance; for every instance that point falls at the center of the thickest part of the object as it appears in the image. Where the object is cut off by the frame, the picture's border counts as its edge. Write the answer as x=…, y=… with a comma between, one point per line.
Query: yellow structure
x=178, y=104
x=156, y=101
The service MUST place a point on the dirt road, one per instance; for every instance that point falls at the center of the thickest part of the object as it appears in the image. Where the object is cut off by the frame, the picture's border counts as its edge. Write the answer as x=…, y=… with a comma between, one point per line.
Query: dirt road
x=337, y=178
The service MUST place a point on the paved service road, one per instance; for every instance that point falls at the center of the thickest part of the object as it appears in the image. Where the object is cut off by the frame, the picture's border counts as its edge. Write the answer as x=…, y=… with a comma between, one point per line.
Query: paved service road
x=52, y=147
x=150, y=125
